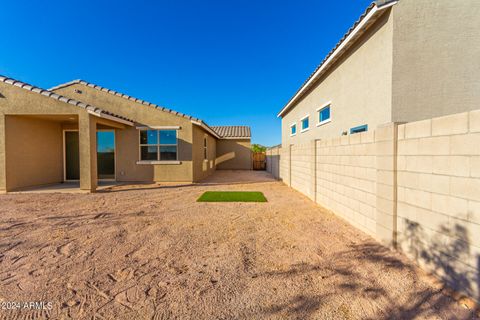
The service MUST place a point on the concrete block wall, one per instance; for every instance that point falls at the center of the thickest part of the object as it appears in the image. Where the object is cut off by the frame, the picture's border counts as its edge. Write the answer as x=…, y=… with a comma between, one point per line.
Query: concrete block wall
x=413, y=186
x=346, y=178
x=438, y=208
x=301, y=165
x=285, y=165
x=273, y=161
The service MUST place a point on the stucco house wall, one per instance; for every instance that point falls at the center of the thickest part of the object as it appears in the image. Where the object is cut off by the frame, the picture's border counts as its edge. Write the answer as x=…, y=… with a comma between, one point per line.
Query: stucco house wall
x=34, y=151
x=19, y=102
x=436, y=64
x=127, y=168
x=359, y=87
x=203, y=167
x=234, y=154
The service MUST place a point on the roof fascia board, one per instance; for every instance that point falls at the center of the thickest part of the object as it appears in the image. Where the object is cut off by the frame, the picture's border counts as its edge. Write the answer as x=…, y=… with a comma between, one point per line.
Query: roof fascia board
x=109, y=117
x=236, y=138
x=327, y=63
x=206, y=128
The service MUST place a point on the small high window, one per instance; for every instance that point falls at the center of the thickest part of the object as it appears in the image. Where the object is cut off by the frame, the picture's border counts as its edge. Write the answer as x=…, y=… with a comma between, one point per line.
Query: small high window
x=293, y=129
x=359, y=129
x=156, y=145
x=305, y=123
x=324, y=115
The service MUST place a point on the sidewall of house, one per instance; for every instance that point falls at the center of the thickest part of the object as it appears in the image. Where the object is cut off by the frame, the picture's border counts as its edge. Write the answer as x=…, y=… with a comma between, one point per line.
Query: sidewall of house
x=203, y=168
x=436, y=62
x=128, y=140
x=32, y=146
x=34, y=152
x=357, y=85
x=234, y=154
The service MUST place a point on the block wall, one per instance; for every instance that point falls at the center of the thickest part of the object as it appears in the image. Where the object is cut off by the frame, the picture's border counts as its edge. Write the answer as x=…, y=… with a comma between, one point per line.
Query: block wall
x=346, y=178
x=413, y=186
x=438, y=183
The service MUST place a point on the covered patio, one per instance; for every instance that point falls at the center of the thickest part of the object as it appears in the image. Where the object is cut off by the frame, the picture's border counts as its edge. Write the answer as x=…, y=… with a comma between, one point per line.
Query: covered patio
x=47, y=139
x=63, y=153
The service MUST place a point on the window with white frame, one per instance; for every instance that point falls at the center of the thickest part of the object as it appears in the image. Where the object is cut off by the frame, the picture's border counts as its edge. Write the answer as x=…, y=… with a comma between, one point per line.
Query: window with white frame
x=158, y=145
x=293, y=129
x=359, y=129
x=305, y=123
x=205, y=153
x=324, y=114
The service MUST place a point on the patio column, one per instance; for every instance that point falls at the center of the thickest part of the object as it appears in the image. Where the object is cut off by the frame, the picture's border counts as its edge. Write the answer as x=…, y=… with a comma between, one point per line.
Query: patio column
x=87, y=134
x=3, y=164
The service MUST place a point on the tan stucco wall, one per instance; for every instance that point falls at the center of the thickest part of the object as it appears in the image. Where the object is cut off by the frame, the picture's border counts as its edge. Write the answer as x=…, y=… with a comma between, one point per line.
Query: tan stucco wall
x=34, y=152
x=127, y=141
x=359, y=87
x=234, y=154
x=20, y=102
x=436, y=64
x=202, y=168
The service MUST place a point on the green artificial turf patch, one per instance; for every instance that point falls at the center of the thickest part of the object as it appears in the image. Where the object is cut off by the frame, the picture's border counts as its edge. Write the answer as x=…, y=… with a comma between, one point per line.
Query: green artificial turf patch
x=232, y=196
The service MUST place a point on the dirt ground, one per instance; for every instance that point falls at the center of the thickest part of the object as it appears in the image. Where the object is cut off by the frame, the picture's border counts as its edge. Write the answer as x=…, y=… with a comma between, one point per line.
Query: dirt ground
x=153, y=252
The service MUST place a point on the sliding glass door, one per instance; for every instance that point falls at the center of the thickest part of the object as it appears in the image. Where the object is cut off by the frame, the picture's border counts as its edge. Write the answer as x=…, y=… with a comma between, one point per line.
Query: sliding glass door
x=106, y=154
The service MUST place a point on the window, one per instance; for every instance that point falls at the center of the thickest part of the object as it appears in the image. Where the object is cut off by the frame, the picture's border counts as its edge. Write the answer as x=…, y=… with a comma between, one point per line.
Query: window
x=158, y=145
x=293, y=129
x=359, y=129
x=205, y=148
x=305, y=124
x=323, y=115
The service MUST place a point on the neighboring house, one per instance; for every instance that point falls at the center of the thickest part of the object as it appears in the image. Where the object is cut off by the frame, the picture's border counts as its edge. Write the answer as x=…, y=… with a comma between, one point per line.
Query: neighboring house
x=82, y=132
x=402, y=61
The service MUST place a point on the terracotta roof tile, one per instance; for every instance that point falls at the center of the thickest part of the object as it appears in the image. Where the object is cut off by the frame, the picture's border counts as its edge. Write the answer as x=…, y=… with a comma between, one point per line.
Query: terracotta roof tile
x=232, y=131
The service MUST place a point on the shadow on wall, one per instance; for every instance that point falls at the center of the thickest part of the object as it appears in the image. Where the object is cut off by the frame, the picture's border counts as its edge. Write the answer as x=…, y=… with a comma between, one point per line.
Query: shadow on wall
x=273, y=165
x=225, y=157
x=445, y=254
x=233, y=155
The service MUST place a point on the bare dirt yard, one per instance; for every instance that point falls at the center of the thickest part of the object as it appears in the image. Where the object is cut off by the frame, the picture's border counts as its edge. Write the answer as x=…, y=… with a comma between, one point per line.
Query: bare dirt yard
x=153, y=252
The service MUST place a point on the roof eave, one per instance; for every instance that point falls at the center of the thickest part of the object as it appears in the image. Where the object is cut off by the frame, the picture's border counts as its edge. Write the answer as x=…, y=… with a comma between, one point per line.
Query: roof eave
x=371, y=15
x=89, y=108
x=104, y=115
x=235, y=138
x=206, y=127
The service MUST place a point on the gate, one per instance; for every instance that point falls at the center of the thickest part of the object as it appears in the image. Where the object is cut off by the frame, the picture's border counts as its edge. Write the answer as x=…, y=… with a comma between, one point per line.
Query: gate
x=259, y=161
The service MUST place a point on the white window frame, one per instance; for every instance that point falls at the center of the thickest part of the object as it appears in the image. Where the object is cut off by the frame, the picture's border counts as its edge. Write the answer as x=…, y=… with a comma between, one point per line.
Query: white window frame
x=291, y=126
x=157, y=145
x=326, y=105
x=301, y=124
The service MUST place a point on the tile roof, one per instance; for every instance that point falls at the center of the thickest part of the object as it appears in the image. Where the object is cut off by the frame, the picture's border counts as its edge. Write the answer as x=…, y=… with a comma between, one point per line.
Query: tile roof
x=221, y=131
x=232, y=131
x=143, y=102
x=58, y=97
x=380, y=4
x=125, y=96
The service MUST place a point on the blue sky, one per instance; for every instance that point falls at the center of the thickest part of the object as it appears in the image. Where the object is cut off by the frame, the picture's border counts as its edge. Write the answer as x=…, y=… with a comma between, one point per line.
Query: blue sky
x=226, y=62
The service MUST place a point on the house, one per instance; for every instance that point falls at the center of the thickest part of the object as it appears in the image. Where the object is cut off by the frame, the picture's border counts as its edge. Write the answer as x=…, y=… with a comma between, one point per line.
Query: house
x=402, y=61
x=82, y=132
